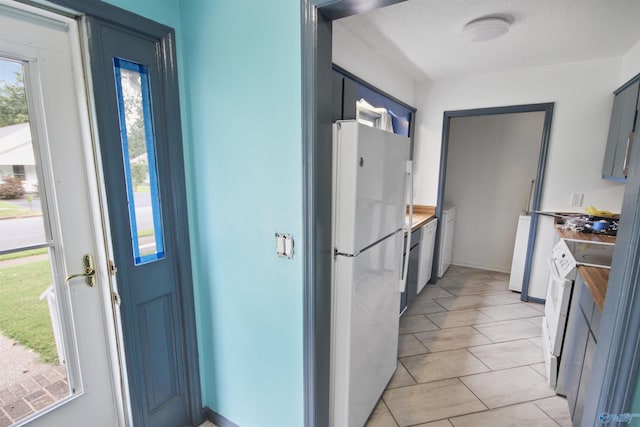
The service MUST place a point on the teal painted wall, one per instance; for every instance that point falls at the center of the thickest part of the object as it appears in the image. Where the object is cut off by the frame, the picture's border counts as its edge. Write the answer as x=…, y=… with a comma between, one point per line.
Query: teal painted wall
x=242, y=71
x=163, y=11
x=240, y=88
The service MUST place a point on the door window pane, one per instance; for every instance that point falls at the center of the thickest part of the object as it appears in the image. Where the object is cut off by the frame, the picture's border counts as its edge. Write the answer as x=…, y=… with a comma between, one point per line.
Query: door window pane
x=33, y=372
x=138, y=149
x=21, y=220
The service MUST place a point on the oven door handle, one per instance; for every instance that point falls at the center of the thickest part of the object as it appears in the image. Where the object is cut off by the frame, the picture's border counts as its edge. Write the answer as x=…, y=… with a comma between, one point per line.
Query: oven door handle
x=554, y=269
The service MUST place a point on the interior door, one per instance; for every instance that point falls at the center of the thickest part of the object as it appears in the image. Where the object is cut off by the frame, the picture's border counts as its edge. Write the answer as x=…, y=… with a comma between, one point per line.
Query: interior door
x=65, y=230
x=139, y=126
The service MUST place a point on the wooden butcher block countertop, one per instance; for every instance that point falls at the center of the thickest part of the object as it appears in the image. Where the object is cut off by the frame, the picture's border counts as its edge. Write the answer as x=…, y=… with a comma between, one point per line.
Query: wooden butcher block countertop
x=589, y=237
x=595, y=279
x=422, y=215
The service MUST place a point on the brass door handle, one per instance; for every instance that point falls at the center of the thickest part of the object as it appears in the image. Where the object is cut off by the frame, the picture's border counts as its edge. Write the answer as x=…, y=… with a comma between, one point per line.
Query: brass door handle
x=89, y=271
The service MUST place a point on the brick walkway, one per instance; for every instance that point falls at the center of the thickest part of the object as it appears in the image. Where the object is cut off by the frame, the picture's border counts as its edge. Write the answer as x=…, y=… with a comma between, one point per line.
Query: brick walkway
x=32, y=394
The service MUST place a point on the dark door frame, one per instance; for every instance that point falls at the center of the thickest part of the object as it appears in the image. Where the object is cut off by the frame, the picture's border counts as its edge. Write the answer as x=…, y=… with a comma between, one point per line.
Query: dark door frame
x=547, y=108
x=610, y=391
x=124, y=18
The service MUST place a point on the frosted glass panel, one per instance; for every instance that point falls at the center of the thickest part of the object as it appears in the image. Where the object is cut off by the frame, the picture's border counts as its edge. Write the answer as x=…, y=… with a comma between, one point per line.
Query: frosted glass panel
x=138, y=149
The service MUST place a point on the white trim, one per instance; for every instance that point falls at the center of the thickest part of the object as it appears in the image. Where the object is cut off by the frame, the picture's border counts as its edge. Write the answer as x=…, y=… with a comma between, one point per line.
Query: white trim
x=113, y=332
x=99, y=243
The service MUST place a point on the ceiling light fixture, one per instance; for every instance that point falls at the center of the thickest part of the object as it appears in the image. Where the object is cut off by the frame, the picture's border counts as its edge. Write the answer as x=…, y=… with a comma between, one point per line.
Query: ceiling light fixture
x=486, y=28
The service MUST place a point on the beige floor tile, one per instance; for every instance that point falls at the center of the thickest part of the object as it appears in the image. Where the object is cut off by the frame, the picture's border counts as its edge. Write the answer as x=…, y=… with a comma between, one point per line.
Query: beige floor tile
x=422, y=403
x=381, y=417
x=457, y=270
x=441, y=423
x=557, y=408
x=540, y=368
x=536, y=306
x=536, y=320
x=426, y=306
x=536, y=341
x=207, y=424
x=450, y=339
x=446, y=281
x=470, y=289
x=508, y=354
x=455, y=319
x=432, y=291
x=509, y=330
x=499, y=283
x=503, y=297
x=443, y=364
x=524, y=415
x=462, y=302
x=499, y=275
x=401, y=378
x=473, y=278
x=509, y=311
x=409, y=345
x=419, y=323
x=509, y=386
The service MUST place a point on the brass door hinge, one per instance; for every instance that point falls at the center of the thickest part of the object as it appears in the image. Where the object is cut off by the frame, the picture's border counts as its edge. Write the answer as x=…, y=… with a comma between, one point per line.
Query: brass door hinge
x=115, y=297
x=112, y=268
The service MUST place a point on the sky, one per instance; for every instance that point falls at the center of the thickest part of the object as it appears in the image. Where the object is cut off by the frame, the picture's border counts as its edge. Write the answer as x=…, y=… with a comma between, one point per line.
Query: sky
x=7, y=69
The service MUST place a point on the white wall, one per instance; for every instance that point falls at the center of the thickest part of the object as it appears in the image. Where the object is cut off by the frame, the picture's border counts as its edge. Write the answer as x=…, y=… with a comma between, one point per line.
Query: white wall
x=630, y=63
x=583, y=98
x=491, y=162
x=359, y=58
x=582, y=93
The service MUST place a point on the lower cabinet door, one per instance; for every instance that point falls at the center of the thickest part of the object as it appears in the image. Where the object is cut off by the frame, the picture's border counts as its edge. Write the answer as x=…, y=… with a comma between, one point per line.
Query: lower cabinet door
x=584, y=380
x=573, y=351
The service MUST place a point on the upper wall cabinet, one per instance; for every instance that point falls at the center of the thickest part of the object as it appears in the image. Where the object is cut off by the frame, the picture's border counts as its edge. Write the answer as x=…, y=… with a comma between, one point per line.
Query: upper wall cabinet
x=621, y=131
x=348, y=89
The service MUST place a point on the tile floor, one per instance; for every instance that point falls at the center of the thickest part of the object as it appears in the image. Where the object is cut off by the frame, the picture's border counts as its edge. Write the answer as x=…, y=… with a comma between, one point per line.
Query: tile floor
x=470, y=355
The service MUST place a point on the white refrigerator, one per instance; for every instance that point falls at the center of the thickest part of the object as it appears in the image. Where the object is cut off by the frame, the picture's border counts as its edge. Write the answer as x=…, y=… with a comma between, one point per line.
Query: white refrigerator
x=371, y=189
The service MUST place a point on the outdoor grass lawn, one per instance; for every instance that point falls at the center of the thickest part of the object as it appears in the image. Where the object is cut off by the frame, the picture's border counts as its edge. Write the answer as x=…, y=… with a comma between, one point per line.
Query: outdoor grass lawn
x=23, y=317
x=8, y=210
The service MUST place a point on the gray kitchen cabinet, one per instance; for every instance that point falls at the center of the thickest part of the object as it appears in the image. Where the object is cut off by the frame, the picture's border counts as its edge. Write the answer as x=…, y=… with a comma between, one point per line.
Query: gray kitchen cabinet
x=621, y=131
x=587, y=366
x=573, y=349
x=578, y=351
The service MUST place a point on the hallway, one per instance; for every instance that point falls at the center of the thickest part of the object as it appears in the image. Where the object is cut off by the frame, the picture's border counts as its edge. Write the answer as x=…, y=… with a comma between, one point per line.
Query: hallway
x=470, y=355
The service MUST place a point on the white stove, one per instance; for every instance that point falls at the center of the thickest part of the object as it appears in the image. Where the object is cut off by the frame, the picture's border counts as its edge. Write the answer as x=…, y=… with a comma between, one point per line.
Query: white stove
x=566, y=257
x=568, y=254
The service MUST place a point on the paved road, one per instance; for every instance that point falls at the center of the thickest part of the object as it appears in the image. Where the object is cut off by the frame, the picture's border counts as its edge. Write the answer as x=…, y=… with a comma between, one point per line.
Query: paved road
x=21, y=232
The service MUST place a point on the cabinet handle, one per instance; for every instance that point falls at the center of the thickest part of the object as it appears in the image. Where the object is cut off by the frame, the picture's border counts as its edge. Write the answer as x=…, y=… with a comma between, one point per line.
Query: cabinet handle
x=625, y=165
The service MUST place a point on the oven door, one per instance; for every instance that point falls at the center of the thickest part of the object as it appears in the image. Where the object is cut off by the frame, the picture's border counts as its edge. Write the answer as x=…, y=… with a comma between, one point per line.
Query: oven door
x=556, y=306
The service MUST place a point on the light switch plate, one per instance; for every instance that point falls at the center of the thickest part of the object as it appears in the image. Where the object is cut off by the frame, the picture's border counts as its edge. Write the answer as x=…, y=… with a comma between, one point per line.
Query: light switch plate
x=576, y=200
x=284, y=245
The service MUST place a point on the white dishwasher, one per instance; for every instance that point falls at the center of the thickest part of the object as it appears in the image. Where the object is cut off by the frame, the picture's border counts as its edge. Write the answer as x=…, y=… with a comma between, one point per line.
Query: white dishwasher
x=520, y=253
x=427, y=245
x=445, y=254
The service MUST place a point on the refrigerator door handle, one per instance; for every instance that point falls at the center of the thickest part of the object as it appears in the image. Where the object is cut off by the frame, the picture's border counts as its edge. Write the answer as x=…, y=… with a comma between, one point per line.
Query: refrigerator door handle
x=407, y=225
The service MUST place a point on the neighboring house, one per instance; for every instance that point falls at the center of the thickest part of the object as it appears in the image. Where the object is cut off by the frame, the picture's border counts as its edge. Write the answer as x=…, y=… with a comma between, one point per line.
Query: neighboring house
x=16, y=155
x=245, y=174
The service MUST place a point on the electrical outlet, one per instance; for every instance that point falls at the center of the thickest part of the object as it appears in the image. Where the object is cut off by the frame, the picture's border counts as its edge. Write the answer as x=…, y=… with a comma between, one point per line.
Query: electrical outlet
x=576, y=200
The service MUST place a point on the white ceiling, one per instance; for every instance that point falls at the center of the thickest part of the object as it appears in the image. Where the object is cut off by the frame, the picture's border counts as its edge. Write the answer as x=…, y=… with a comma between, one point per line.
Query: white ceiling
x=423, y=36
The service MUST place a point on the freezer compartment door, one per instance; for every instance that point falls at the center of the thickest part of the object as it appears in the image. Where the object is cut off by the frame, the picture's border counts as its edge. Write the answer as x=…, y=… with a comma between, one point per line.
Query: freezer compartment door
x=369, y=184
x=364, y=329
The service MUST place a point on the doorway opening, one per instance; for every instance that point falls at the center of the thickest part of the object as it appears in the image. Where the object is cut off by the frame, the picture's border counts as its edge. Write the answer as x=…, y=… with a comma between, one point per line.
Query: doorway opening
x=508, y=168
